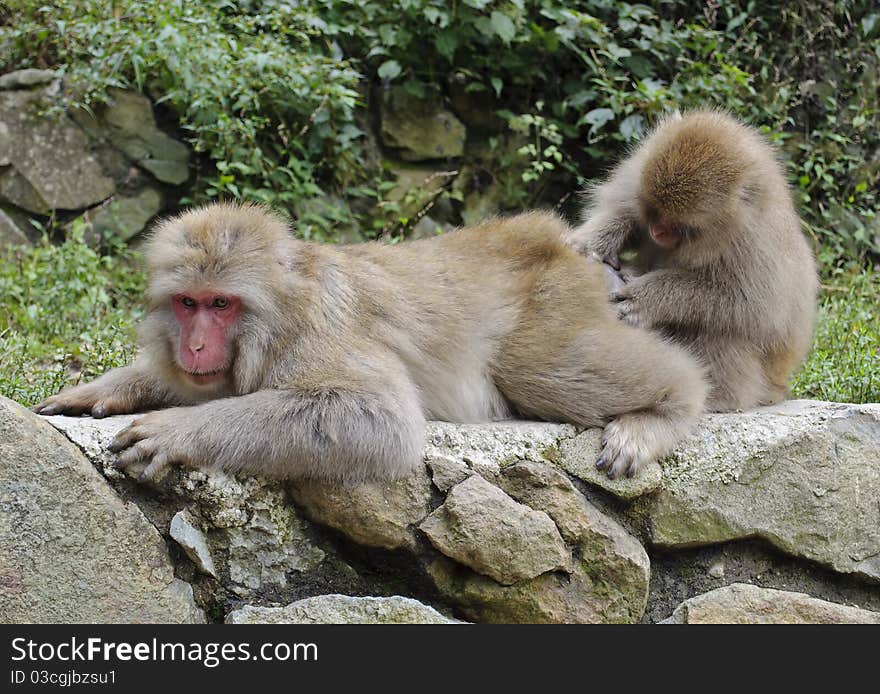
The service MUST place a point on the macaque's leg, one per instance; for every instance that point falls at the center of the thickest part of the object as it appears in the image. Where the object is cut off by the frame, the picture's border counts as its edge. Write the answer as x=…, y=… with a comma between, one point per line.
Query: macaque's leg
x=736, y=373
x=647, y=393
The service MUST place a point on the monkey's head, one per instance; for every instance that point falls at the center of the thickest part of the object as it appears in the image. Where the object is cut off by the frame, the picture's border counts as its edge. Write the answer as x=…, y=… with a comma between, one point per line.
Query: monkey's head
x=217, y=276
x=690, y=181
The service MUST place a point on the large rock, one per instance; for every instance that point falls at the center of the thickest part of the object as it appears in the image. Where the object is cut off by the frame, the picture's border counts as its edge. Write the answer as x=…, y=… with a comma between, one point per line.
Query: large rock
x=375, y=514
x=125, y=215
x=615, y=561
x=802, y=475
x=70, y=549
x=13, y=228
x=608, y=581
x=255, y=538
x=51, y=166
x=342, y=609
x=481, y=527
x=23, y=79
x=419, y=129
x=741, y=603
x=128, y=123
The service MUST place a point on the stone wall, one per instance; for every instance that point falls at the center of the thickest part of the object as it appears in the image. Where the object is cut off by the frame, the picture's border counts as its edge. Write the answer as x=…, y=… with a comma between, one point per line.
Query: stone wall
x=113, y=166
x=764, y=516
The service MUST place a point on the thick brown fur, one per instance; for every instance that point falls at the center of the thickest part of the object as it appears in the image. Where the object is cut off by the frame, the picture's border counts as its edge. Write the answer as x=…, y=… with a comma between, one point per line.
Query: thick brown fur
x=342, y=352
x=739, y=290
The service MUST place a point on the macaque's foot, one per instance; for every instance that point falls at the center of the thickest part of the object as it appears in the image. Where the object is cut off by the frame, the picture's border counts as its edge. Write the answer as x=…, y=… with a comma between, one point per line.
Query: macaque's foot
x=152, y=440
x=623, y=449
x=84, y=399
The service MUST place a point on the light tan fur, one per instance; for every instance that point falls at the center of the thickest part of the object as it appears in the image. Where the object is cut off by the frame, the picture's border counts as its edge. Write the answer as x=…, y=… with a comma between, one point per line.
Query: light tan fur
x=342, y=352
x=739, y=291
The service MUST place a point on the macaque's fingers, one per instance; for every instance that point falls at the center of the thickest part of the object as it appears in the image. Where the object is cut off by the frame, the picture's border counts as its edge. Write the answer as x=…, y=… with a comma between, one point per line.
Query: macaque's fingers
x=98, y=401
x=156, y=468
x=624, y=308
x=61, y=404
x=615, y=280
x=139, y=452
x=628, y=312
x=611, y=259
x=107, y=407
x=623, y=463
x=127, y=437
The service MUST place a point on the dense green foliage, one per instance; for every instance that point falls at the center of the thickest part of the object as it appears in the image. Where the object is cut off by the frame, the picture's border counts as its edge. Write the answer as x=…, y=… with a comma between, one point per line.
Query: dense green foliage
x=269, y=90
x=276, y=96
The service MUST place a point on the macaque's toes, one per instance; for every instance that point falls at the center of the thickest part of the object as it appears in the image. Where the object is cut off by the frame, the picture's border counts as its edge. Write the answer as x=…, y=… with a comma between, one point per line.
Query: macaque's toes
x=602, y=462
x=99, y=411
x=621, y=465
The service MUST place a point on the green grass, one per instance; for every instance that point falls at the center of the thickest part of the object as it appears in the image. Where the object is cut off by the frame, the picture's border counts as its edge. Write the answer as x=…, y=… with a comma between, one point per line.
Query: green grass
x=844, y=364
x=68, y=313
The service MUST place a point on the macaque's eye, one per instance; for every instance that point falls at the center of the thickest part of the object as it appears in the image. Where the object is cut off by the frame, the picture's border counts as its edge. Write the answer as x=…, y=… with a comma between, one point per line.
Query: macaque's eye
x=220, y=302
x=187, y=301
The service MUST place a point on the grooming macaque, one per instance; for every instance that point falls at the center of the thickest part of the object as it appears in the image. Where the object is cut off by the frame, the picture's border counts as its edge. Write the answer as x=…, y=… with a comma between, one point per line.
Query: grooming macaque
x=718, y=260
x=289, y=358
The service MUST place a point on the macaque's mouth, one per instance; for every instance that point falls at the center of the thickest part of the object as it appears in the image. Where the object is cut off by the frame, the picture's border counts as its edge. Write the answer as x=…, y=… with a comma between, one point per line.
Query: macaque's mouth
x=207, y=377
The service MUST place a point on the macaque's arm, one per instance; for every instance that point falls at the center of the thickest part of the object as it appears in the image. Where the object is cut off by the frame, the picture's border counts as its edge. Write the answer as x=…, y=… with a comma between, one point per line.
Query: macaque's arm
x=603, y=237
x=352, y=426
x=120, y=391
x=688, y=300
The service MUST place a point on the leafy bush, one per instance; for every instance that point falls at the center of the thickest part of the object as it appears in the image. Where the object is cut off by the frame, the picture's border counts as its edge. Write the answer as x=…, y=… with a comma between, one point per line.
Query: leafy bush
x=68, y=313
x=260, y=92
x=270, y=90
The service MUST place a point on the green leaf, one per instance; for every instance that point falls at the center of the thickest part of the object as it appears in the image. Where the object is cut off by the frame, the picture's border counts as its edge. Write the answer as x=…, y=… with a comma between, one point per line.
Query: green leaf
x=632, y=127
x=503, y=26
x=497, y=85
x=598, y=117
x=389, y=70
x=446, y=43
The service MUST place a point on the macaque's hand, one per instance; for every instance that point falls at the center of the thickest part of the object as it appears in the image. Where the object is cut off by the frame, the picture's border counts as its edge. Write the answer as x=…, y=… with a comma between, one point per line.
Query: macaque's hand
x=616, y=280
x=630, y=303
x=599, y=255
x=97, y=399
x=157, y=439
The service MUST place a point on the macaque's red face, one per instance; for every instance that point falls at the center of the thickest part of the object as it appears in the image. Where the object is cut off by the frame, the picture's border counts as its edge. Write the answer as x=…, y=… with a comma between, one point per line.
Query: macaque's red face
x=205, y=319
x=665, y=233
